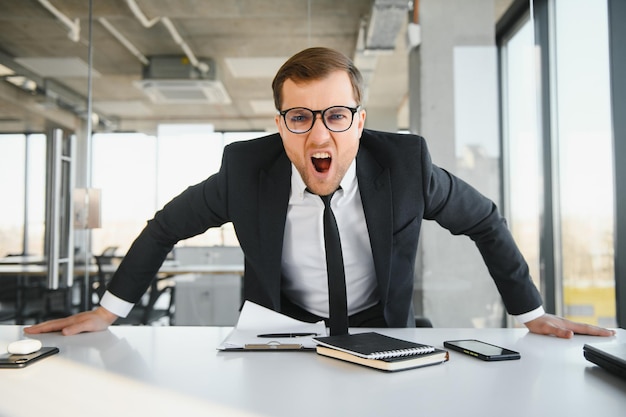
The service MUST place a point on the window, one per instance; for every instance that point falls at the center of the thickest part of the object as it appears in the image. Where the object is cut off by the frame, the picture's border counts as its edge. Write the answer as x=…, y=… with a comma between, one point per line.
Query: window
x=12, y=160
x=124, y=168
x=186, y=156
x=585, y=169
x=138, y=174
x=557, y=154
x=521, y=145
x=22, y=181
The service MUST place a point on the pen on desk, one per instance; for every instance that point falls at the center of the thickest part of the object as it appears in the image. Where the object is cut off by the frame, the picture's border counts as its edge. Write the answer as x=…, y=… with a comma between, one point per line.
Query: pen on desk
x=273, y=335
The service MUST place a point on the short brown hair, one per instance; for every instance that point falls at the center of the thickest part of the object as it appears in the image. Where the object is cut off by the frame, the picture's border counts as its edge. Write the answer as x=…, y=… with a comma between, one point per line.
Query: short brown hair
x=315, y=64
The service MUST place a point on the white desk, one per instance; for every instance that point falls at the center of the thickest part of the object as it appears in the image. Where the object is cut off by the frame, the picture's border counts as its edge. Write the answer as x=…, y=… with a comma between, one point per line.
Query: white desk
x=30, y=270
x=22, y=260
x=167, y=269
x=149, y=369
x=171, y=269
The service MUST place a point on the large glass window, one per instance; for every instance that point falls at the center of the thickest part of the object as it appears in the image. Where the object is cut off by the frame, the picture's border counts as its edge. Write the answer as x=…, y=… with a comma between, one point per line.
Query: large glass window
x=186, y=156
x=22, y=181
x=139, y=174
x=578, y=140
x=521, y=144
x=12, y=160
x=36, y=194
x=583, y=120
x=124, y=168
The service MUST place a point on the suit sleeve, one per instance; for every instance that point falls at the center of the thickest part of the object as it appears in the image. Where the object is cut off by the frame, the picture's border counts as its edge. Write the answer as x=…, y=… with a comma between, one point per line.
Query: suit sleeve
x=462, y=210
x=191, y=213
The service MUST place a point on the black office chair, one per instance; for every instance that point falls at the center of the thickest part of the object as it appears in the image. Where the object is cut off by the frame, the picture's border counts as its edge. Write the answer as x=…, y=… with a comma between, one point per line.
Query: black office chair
x=17, y=300
x=22, y=298
x=25, y=299
x=423, y=322
x=145, y=311
x=98, y=284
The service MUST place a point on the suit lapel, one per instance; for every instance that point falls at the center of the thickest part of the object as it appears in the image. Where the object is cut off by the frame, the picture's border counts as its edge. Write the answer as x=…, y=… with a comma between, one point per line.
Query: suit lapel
x=274, y=186
x=375, y=189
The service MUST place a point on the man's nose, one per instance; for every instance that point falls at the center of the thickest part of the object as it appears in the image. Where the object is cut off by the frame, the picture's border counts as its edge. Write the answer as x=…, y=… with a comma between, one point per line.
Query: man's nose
x=319, y=129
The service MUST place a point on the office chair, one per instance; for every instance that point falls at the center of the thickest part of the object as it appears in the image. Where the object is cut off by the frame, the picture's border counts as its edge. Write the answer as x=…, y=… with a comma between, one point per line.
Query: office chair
x=145, y=311
x=21, y=298
x=17, y=300
x=423, y=322
x=28, y=299
x=98, y=284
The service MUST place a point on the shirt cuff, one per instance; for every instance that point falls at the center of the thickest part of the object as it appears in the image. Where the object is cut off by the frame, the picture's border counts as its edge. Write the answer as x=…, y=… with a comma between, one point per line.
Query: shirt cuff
x=531, y=315
x=116, y=305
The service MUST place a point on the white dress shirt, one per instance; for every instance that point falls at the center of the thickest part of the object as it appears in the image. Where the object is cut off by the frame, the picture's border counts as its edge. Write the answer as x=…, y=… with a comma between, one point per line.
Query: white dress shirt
x=304, y=256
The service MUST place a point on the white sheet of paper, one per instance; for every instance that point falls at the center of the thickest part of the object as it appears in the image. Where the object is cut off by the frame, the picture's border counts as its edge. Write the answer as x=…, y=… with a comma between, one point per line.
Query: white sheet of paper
x=255, y=319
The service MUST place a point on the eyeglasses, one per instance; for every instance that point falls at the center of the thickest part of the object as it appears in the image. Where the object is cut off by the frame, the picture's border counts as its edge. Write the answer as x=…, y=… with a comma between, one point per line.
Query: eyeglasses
x=336, y=118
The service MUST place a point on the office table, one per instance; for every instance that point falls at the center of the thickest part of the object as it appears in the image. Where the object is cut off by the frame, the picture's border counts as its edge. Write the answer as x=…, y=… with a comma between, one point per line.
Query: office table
x=166, y=269
x=22, y=260
x=167, y=367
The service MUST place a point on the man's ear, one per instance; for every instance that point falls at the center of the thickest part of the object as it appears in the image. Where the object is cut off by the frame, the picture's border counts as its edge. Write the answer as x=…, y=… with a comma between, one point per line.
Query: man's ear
x=279, y=126
x=361, y=122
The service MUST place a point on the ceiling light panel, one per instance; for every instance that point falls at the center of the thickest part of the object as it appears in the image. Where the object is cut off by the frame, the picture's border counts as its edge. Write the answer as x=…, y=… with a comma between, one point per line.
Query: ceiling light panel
x=254, y=67
x=263, y=106
x=57, y=67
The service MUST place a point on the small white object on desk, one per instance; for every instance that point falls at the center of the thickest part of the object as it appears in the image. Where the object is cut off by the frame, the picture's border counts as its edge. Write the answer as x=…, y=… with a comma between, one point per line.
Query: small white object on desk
x=24, y=347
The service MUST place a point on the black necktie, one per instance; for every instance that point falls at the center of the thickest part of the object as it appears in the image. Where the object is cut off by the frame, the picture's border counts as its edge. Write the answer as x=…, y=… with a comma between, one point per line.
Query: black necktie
x=338, y=303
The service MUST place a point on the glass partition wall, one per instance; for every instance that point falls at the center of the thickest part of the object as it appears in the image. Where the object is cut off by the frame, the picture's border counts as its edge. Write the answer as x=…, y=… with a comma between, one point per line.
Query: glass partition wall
x=556, y=157
x=23, y=185
x=557, y=154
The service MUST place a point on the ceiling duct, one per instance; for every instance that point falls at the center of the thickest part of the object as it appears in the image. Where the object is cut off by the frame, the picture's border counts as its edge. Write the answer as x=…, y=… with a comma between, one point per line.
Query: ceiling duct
x=386, y=20
x=175, y=80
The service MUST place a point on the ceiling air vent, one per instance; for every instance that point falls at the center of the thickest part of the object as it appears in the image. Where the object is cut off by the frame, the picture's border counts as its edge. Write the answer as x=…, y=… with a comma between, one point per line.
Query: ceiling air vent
x=173, y=80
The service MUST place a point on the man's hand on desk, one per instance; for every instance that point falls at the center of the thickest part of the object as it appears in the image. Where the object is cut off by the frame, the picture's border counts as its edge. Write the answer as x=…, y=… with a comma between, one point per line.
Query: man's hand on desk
x=549, y=324
x=87, y=321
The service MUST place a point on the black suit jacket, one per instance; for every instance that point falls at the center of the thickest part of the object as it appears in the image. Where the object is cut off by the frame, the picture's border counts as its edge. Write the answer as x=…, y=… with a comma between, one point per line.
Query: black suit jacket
x=399, y=187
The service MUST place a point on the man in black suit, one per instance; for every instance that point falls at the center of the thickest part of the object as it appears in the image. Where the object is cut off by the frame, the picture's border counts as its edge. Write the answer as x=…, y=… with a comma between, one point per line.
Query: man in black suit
x=383, y=185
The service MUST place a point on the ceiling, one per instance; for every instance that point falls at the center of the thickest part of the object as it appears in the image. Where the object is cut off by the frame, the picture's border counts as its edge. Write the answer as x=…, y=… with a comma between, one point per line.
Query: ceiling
x=184, y=61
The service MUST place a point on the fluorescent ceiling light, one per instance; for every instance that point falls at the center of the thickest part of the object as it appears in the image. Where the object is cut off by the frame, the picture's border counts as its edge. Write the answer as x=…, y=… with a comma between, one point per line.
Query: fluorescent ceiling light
x=263, y=106
x=22, y=82
x=184, y=91
x=386, y=19
x=254, y=67
x=5, y=71
x=57, y=67
x=127, y=108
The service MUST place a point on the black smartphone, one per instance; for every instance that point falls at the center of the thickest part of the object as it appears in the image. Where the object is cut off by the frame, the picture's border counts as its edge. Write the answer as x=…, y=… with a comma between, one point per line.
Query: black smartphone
x=9, y=360
x=482, y=350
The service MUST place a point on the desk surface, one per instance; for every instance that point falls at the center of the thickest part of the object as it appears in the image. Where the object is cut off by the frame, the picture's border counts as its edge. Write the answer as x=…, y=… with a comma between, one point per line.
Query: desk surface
x=163, y=365
x=22, y=260
x=177, y=269
x=168, y=269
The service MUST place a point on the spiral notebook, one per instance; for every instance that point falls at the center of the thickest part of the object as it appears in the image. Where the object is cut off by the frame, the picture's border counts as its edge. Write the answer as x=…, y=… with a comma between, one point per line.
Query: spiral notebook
x=380, y=351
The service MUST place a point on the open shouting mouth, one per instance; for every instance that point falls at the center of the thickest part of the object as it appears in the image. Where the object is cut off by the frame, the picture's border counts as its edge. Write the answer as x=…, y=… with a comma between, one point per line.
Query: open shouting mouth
x=321, y=161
